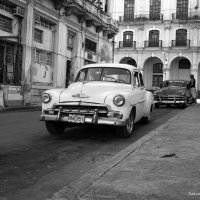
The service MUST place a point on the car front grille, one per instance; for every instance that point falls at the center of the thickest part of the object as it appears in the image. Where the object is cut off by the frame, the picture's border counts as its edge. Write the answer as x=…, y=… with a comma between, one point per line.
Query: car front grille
x=169, y=98
x=81, y=110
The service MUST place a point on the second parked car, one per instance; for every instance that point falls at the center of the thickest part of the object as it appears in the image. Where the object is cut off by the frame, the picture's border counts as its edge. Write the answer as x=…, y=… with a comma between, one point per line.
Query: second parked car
x=172, y=92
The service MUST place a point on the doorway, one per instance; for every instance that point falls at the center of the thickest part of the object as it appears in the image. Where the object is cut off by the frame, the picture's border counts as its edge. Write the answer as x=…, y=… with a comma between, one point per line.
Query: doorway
x=68, y=69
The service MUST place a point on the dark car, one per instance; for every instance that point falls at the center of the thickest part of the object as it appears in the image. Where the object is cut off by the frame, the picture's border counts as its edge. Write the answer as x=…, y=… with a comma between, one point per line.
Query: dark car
x=172, y=92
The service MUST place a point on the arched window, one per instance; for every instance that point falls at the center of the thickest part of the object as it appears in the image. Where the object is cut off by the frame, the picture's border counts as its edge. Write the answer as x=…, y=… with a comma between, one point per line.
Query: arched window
x=128, y=39
x=154, y=38
x=181, y=37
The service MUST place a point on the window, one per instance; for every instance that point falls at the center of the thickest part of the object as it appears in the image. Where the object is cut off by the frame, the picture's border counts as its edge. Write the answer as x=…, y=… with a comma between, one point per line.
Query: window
x=38, y=35
x=10, y=64
x=155, y=9
x=182, y=9
x=181, y=37
x=43, y=57
x=154, y=38
x=70, y=39
x=43, y=22
x=5, y=24
x=128, y=39
x=129, y=6
x=157, y=74
x=184, y=64
x=90, y=45
x=6, y=7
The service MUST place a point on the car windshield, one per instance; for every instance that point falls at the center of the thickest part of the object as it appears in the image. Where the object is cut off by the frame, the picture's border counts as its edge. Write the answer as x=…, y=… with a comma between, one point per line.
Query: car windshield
x=174, y=84
x=108, y=74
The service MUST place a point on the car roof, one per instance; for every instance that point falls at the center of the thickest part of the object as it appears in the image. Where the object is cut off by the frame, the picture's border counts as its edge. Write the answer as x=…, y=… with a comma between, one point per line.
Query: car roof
x=114, y=65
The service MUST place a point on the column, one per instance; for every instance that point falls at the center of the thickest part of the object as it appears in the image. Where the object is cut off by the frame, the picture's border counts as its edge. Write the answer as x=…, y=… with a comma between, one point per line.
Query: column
x=166, y=74
x=60, y=58
x=140, y=37
x=195, y=37
x=27, y=52
x=167, y=37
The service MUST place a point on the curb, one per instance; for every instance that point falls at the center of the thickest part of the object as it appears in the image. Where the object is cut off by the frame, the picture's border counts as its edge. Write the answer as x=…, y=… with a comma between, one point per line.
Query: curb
x=20, y=108
x=79, y=187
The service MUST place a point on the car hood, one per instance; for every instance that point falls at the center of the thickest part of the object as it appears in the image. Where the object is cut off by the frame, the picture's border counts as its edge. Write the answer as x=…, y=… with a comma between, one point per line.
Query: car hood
x=93, y=92
x=171, y=91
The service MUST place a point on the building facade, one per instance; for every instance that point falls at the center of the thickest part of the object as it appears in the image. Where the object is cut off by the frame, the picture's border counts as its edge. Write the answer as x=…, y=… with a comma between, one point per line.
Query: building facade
x=160, y=37
x=43, y=43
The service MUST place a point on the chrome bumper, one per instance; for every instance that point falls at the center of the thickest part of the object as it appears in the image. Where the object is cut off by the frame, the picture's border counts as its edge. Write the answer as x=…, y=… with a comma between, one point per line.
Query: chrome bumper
x=170, y=102
x=88, y=120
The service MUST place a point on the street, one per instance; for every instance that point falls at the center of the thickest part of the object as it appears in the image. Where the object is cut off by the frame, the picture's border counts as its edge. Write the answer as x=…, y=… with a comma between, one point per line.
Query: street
x=34, y=165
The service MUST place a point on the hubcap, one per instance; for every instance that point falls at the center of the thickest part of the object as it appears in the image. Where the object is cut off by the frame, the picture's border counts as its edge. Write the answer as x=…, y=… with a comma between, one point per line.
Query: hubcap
x=130, y=123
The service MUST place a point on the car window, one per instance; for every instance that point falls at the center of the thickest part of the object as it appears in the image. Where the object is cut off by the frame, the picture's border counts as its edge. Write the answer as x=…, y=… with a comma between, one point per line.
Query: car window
x=136, y=80
x=108, y=74
x=81, y=76
x=174, y=84
x=141, y=79
x=116, y=75
x=93, y=74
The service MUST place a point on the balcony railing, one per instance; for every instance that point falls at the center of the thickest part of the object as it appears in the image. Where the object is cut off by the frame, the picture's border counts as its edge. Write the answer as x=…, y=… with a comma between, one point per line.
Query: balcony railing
x=180, y=43
x=149, y=43
x=141, y=17
x=186, y=16
x=88, y=10
x=127, y=44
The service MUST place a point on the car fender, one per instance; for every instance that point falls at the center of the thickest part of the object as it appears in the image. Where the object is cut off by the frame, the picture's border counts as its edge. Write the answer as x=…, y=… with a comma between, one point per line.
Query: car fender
x=149, y=103
x=126, y=108
x=55, y=95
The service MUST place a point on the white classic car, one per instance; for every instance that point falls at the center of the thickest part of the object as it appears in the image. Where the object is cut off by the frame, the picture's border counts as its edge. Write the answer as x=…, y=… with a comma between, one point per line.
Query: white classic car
x=102, y=94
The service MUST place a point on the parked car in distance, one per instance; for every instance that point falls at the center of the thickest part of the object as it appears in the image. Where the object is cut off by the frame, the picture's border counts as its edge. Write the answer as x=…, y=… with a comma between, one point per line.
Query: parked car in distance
x=172, y=92
x=102, y=94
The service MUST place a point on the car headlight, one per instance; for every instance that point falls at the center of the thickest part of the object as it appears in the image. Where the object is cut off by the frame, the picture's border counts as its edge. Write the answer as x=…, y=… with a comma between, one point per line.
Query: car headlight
x=46, y=98
x=119, y=100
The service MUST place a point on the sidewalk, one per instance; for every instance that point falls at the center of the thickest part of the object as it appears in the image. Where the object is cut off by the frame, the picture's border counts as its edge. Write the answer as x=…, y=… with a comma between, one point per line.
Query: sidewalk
x=163, y=165
x=32, y=107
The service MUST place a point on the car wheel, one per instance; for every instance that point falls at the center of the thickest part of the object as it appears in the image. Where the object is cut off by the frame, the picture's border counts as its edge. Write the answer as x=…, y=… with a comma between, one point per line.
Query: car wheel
x=127, y=130
x=157, y=105
x=185, y=105
x=55, y=128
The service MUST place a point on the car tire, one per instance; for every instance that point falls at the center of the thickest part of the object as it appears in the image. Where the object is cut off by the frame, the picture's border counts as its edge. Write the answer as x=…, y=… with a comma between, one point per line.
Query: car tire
x=157, y=105
x=55, y=128
x=127, y=130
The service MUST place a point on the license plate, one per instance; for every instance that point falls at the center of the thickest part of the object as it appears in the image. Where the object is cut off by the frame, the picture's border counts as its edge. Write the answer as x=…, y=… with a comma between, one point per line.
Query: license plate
x=75, y=118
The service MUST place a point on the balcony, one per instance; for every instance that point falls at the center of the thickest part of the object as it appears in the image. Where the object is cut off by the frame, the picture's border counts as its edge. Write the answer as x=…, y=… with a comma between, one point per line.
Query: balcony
x=186, y=16
x=127, y=44
x=149, y=43
x=89, y=12
x=141, y=17
x=180, y=43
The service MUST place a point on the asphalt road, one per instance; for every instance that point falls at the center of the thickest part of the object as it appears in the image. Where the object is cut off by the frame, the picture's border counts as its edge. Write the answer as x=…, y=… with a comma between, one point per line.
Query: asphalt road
x=34, y=165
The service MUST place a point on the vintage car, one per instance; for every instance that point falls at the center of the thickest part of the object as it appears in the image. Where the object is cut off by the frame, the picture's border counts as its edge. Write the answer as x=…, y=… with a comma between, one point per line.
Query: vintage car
x=172, y=92
x=102, y=94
